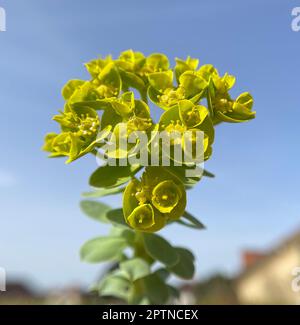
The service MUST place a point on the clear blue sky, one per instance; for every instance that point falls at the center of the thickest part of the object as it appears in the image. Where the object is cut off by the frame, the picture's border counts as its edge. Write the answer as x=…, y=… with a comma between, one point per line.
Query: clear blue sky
x=253, y=201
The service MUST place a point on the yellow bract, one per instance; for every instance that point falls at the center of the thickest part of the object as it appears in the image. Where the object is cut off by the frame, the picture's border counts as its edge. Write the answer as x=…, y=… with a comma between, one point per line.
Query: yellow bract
x=115, y=98
x=157, y=198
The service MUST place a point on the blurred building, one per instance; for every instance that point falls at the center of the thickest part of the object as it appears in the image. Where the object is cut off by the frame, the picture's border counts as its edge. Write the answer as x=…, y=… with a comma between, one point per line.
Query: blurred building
x=216, y=290
x=267, y=278
x=18, y=293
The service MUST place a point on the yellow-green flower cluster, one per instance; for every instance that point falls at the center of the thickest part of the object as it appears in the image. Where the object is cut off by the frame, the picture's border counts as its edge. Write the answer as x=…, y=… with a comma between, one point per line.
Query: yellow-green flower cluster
x=116, y=94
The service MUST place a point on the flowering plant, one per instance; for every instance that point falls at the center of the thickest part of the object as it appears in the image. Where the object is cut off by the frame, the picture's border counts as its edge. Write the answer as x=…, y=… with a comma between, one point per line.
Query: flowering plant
x=112, y=107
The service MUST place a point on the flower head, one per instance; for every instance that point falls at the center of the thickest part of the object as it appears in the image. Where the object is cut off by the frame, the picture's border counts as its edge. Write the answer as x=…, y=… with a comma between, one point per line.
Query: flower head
x=79, y=129
x=149, y=203
x=162, y=92
x=187, y=116
x=224, y=108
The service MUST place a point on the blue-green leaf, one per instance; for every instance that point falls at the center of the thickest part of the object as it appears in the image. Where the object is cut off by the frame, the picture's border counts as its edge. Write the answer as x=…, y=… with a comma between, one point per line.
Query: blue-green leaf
x=185, y=267
x=103, y=192
x=95, y=210
x=136, y=268
x=194, y=222
x=116, y=217
x=116, y=286
x=160, y=249
x=156, y=290
x=102, y=249
x=112, y=176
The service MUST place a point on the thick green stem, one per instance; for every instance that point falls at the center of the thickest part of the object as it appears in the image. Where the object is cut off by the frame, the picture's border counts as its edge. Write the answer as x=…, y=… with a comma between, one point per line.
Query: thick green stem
x=138, y=290
x=139, y=248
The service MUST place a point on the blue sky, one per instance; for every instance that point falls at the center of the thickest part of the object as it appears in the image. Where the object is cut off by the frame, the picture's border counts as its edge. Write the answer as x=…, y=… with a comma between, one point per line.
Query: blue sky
x=253, y=201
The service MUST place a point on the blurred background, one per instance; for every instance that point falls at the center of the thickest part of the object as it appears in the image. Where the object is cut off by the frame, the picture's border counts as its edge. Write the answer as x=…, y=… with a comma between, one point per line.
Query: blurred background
x=252, y=207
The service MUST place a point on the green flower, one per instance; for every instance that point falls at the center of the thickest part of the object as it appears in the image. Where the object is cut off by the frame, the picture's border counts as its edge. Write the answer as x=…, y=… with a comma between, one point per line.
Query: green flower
x=224, y=108
x=131, y=61
x=134, y=68
x=233, y=111
x=106, y=85
x=162, y=92
x=137, y=63
x=126, y=109
x=124, y=105
x=78, y=91
x=150, y=203
x=83, y=121
x=126, y=115
x=187, y=116
x=63, y=144
x=79, y=133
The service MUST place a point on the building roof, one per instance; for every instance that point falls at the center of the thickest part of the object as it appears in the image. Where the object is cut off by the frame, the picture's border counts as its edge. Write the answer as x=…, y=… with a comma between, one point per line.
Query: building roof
x=294, y=239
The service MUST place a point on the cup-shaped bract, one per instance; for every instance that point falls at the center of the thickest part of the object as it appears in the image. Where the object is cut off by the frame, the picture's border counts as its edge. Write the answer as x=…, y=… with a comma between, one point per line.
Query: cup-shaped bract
x=149, y=203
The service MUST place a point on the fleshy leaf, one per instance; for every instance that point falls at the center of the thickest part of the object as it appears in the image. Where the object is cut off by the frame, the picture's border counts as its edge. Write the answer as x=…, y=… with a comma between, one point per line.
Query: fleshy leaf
x=112, y=176
x=102, y=249
x=95, y=210
x=116, y=217
x=136, y=268
x=103, y=192
x=194, y=221
x=160, y=249
x=206, y=173
x=185, y=267
x=115, y=285
x=155, y=289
